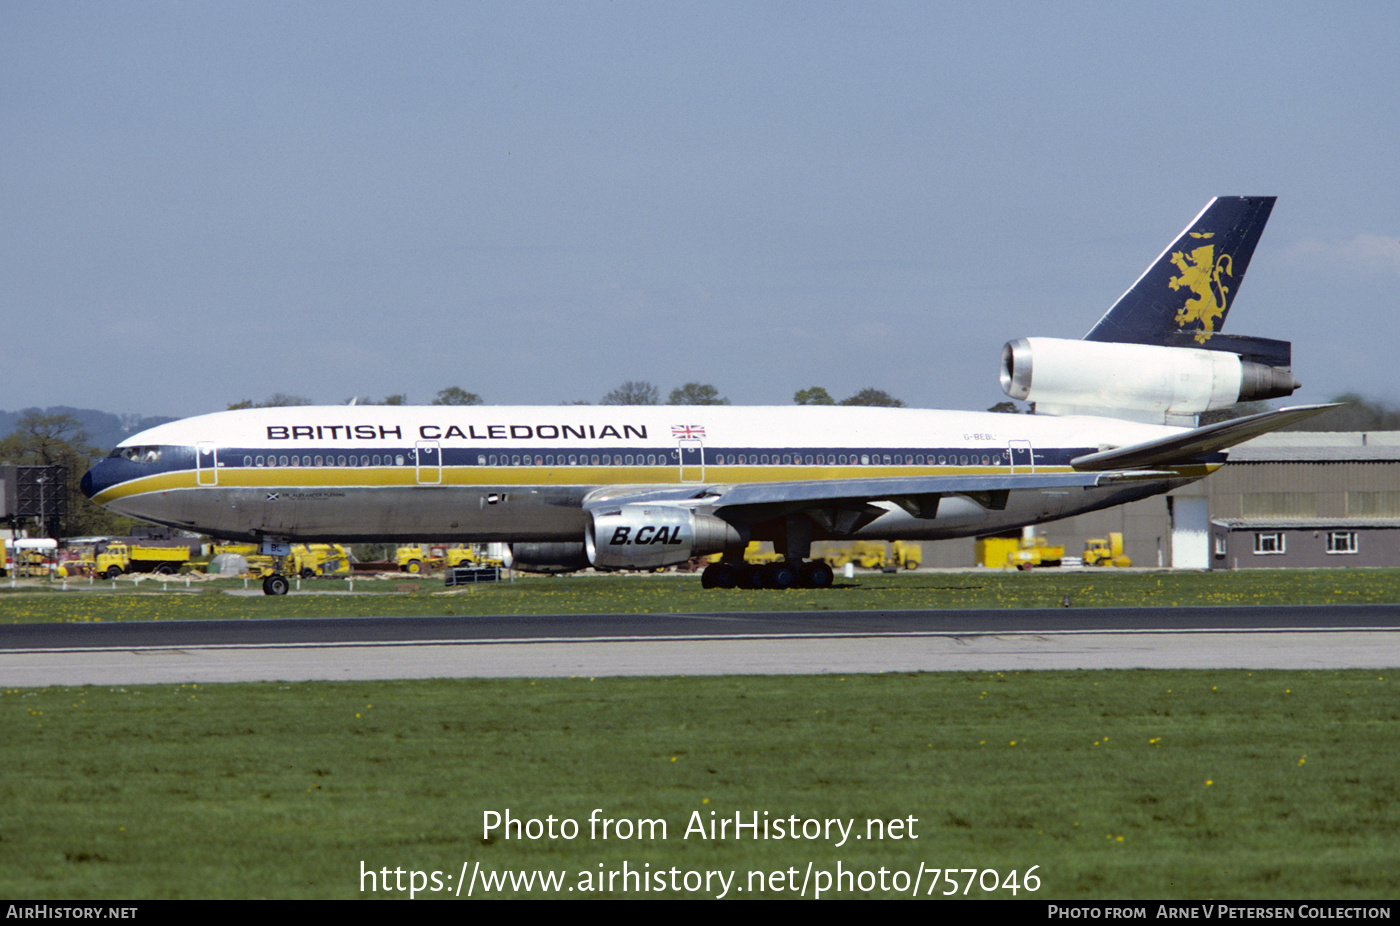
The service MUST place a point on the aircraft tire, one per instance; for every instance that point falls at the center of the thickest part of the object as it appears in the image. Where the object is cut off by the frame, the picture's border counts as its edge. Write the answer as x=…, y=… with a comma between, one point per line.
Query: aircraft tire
x=780, y=576
x=817, y=575
x=750, y=576
x=276, y=585
x=719, y=575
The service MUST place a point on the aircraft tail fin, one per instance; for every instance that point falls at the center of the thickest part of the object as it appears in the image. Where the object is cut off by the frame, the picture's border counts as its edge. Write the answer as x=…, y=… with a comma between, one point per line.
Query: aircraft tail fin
x=1183, y=297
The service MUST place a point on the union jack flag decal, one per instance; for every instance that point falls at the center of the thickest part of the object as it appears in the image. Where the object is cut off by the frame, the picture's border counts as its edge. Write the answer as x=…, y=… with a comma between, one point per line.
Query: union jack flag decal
x=687, y=430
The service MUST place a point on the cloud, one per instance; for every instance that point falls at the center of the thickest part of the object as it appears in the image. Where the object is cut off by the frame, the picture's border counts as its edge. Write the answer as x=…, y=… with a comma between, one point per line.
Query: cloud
x=1371, y=254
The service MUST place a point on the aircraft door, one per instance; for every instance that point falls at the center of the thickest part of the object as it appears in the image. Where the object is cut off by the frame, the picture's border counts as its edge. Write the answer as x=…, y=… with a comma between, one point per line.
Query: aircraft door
x=428, y=455
x=692, y=458
x=1022, y=457
x=206, y=463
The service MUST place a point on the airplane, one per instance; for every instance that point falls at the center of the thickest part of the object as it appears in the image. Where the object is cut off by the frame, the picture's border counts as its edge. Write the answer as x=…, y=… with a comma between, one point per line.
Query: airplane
x=645, y=487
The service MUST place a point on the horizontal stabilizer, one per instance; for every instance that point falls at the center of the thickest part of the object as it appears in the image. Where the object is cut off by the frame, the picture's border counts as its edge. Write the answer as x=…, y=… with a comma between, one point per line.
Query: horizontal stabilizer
x=1182, y=448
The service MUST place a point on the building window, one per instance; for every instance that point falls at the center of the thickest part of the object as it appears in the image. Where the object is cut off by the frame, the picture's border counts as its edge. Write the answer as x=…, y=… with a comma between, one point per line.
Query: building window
x=1278, y=505
x=1268, y=543
x=1341, y=542
x=1373, y=504
x=1220, y=545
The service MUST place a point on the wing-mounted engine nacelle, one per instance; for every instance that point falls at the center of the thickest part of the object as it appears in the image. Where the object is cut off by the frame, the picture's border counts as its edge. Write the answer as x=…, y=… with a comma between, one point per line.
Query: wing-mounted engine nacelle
x=652, y=536
x=546, y=557
x=1171, y=381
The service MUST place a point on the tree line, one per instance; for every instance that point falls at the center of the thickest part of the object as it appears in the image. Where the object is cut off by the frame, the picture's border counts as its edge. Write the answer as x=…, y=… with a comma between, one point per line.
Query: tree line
x=631, y=392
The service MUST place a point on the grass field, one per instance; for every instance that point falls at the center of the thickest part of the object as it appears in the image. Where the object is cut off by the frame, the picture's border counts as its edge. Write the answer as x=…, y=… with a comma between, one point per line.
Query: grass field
x=1115, y=784
x=672, y=594
x=1136, y=784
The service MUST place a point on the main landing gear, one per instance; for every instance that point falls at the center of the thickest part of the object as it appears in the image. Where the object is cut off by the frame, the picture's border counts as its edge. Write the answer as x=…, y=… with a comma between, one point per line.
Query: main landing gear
x=815, y=574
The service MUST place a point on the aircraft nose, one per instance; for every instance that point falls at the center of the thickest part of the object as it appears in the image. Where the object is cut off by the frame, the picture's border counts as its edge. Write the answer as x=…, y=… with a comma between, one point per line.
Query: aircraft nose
x=92, y=481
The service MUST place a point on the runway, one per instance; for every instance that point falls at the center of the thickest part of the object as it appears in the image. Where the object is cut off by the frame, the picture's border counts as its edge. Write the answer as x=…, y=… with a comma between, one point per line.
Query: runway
x=771, y=643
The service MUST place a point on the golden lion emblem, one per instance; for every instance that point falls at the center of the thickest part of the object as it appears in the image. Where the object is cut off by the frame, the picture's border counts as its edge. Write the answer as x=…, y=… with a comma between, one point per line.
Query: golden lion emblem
x=1201, y=273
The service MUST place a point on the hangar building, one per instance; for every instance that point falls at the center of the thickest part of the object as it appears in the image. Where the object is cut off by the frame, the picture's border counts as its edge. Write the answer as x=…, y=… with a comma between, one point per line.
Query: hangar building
x=1300, y=498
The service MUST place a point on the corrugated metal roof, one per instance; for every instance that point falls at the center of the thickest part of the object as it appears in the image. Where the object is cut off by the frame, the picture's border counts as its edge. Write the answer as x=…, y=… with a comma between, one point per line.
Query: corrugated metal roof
x=1320, y=447
x=1306, y=524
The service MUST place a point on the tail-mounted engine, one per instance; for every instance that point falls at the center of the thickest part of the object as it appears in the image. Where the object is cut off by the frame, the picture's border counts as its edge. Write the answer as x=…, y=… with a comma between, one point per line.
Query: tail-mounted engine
x=1170, y=382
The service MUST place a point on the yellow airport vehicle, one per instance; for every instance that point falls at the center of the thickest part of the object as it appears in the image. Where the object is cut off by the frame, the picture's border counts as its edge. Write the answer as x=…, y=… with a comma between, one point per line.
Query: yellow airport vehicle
x=1018, y=552
x=318, y=559
x=306, y=560
x=906, y=555
x=866, y=554
x=1101, y=551
x=416, y=559
x=872, y=554
x=29, y=556
x=117, y=558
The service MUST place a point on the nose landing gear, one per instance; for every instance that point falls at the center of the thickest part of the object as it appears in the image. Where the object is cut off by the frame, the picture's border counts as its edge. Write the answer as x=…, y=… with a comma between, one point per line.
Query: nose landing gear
x=277, y=583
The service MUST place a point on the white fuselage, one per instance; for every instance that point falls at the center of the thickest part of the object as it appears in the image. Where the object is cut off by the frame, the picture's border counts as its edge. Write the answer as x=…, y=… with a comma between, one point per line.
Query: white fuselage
x=525, y=474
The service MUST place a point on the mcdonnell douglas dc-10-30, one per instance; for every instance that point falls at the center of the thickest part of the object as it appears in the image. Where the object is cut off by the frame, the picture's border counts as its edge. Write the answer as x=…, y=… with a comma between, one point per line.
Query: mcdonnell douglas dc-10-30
x=643, y=487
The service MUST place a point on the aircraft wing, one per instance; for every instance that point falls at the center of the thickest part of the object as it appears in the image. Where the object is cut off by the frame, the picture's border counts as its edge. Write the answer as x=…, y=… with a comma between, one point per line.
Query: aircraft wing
x=845, y=504
x=919, y=495
x=1181, y=448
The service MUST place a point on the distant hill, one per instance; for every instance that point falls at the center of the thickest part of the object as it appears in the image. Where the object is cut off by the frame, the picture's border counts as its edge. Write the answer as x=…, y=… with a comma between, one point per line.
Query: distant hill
x=104, y=429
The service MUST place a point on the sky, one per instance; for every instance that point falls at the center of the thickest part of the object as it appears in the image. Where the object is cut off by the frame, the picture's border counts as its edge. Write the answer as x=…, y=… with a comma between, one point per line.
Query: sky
x=210, y=202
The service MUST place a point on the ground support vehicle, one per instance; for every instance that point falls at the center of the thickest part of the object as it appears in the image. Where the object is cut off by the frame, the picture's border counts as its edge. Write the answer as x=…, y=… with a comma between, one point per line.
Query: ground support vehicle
x=1018, y=552
x=418, y=558
x=306, y=560
x=872, y=554
x=1106, y=551
x=117, y=558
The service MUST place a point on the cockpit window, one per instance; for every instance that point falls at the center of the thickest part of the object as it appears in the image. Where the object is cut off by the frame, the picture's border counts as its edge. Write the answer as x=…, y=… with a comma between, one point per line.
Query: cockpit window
x=139, y=454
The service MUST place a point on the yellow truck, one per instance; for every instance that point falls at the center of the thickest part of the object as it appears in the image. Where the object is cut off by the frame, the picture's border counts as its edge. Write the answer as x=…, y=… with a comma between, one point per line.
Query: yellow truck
x=1018, y=552
x=906, y=555
x=871, y=554
x=117, y=558
x=418, y=558
x=1106, y=551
